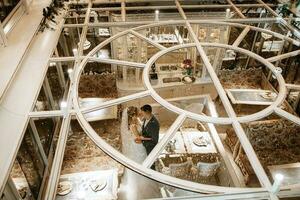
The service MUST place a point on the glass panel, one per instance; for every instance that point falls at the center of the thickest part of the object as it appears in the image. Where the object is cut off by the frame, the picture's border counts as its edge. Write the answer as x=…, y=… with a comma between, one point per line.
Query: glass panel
x=28, y=168
x=55, y=86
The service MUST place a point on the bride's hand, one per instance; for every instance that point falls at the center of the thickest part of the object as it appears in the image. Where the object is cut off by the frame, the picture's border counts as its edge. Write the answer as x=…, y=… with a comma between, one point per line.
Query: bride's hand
x=138, y=140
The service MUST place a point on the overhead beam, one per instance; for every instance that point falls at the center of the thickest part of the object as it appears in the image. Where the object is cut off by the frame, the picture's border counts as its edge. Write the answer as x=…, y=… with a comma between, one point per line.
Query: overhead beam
x=147, y=40
x=284, y=56
x=292, y=86
x=255, y=163
x=239, y=12
x=136, y=23
x=283, y=21
x=123, y=10
x=115, y=101
x=287, y=115
x=240, y=38
x=164, y=141
x=117, y=62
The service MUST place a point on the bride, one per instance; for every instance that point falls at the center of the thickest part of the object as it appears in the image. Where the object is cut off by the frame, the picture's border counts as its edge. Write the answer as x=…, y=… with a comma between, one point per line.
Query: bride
x=130, y=129
x=134, y=186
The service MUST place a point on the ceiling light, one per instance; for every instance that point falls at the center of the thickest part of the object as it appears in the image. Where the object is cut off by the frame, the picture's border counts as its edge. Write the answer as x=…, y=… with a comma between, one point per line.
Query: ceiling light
x=156, y=15
x=75, y=51
x=63, y=104
x=70, y=70
x=52, y=64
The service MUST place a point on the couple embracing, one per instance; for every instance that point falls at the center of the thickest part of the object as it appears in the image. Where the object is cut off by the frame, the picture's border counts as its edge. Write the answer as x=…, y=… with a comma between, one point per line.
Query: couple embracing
x=144, y=126
x=139, y=131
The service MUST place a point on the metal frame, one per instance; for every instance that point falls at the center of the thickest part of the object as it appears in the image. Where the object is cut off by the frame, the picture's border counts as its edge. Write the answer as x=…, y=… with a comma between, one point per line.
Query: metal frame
x=73, y=107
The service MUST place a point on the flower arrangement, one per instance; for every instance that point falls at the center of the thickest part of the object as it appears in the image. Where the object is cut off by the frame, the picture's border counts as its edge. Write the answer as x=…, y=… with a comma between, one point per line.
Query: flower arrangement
x=187, y=64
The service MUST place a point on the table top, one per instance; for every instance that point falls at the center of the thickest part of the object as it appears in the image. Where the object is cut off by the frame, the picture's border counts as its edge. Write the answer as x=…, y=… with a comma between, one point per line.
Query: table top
x=185, y=145
x=179, y=144
x=189, y=136
x=250, y=96
x=291, y=173
x=81, y=189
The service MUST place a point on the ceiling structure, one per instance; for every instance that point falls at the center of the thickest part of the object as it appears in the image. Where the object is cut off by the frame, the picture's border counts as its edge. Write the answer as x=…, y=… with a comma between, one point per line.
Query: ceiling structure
x=72, y=108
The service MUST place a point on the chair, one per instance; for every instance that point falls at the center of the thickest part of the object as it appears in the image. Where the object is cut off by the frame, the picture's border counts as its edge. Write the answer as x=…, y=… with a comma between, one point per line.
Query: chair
x=208, y=169
x=205, y=172
x=178, y=170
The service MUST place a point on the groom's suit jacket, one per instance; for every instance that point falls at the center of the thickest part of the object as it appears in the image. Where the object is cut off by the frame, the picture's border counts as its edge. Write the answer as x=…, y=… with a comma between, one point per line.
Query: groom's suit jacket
x=150, y=130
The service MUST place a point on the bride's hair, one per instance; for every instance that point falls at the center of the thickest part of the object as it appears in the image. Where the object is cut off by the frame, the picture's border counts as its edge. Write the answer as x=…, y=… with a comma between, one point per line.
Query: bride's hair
x=131, y=112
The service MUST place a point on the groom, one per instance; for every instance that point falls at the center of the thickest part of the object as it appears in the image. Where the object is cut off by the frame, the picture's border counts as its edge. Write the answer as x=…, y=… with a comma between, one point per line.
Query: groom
x=150, y=129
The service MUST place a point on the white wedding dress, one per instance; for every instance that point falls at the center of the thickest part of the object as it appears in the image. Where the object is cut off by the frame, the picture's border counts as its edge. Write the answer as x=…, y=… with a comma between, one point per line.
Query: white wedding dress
x=134, y=186
x=130, y=148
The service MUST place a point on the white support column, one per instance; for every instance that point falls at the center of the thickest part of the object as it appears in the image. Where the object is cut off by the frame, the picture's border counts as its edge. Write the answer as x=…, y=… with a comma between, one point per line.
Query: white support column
x=48, y=93
x=236, y=9
x=61, y=77
x=3, y=38
x=123, y=10
x=38, y=141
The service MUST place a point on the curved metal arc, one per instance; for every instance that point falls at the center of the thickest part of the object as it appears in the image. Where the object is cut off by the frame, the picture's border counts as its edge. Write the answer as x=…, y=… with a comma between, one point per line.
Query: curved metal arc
x=182, y=22
x=259, y=115
x=183, y=184
x=138, y=168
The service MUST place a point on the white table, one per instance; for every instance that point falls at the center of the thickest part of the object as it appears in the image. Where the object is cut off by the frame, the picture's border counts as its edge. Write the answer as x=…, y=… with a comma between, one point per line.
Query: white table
x=188, y=137
x=185, y=145
x=102, y=114
x=81, y=189
x=179, y=145
x=249, y=96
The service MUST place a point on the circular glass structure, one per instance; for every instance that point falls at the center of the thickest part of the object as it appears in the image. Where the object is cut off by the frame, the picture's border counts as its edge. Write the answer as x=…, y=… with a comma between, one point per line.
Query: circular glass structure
x=232, y=119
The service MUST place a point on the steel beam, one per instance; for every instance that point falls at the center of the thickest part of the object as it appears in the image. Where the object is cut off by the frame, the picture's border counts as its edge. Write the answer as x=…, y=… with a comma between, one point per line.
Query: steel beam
x=240, y=38
x=48, y=93
x=123, y=10
x=287, y=115
x=164, y=141
x=38, y=141
x=3, y=36
x=115, y=101
x=117, y=62
x=284, y=56
x=256, y=165
x=161, y=47
x=236, y=9
x=281, y=20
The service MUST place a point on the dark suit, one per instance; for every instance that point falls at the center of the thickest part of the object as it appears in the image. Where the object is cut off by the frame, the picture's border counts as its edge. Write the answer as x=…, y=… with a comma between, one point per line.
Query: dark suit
x=150, y=130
